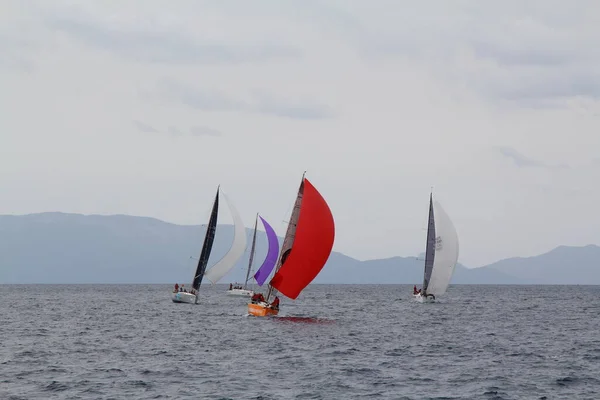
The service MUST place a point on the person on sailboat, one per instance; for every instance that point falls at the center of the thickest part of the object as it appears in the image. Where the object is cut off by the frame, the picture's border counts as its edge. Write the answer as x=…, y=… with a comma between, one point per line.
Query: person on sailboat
x=176, y=288
x=256, y=297
x=415, y=290
x=230, y=286
x=275, y=303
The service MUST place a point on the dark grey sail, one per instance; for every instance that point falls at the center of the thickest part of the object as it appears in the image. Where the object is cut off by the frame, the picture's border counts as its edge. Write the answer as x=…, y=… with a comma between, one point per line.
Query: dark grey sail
x=251, y=253
x=430, y=249
x=207, y=246
x=290, y=234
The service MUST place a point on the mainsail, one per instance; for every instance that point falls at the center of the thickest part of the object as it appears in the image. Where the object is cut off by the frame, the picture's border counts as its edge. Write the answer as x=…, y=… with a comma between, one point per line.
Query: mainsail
x=310, y=235
x=430, y=247
x=238, y=247
x=267, y=266
x=208, y=243
x=251, y=253
x=446, y=252
x=290, y=234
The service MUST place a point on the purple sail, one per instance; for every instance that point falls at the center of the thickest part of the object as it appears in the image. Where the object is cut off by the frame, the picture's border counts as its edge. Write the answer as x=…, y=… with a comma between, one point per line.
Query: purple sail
x=267, y=266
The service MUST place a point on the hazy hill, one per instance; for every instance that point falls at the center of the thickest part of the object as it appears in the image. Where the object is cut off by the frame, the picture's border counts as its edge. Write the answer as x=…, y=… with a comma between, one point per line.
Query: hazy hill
x=73, y=248
x=563, y=265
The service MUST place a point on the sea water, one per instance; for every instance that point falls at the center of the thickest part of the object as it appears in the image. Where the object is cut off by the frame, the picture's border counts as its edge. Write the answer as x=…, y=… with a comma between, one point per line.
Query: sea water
x=333, y=342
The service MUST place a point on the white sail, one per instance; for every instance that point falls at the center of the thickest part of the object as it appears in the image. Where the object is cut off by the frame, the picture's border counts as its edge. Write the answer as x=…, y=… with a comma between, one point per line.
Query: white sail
x=238, y=247
x=446, y=251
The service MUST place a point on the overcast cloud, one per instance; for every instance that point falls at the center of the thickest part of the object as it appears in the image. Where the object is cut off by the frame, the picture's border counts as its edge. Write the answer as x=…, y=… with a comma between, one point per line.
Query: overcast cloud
x=141, y=108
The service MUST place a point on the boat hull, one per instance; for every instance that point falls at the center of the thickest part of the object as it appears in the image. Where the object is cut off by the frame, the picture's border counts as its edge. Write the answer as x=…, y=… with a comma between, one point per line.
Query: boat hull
x=422, y=299
x=183, y=297
x=240, y=292
x=261, y=310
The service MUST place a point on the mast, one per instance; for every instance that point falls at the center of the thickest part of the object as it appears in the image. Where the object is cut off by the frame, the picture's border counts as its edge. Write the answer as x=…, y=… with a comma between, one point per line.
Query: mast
x=207, y=245
x=290, y=234
x=251, y=252
x=430, y=247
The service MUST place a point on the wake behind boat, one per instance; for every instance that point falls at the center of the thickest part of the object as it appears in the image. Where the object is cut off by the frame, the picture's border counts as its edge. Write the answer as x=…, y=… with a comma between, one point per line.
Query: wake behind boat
x=441, y=254
x=267, y=265
x=306, y=247
x=223, y=266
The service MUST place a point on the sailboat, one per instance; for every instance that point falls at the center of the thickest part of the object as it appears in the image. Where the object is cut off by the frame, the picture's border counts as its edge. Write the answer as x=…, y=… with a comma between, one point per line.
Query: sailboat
x=441, y=253
x=306, y=247
x=223, y=266
x=268, y=264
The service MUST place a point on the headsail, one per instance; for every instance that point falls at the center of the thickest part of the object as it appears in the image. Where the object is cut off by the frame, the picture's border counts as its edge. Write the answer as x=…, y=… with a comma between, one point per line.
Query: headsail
x=208, y=243
x=312, y=242
x=446, y=252
x=267, y=266
x=430, y=248
x=238, y=247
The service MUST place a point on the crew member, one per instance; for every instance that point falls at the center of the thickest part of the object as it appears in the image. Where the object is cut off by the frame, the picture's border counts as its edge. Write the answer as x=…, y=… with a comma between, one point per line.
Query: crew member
x=275, y=303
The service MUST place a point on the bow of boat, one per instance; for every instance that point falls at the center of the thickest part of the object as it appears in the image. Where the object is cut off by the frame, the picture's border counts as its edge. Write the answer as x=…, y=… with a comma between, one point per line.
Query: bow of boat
x=183, y=297
x=261, y=309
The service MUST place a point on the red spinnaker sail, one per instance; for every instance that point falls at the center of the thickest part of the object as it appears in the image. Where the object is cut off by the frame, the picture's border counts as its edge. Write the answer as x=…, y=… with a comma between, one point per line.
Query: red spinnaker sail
x=315, y=233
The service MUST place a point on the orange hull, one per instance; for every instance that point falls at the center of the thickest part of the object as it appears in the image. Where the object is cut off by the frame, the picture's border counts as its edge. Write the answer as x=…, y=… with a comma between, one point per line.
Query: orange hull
x=259, y=310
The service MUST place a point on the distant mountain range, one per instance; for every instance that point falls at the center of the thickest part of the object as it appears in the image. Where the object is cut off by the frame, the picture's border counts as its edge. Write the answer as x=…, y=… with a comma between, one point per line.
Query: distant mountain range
x=74, y=248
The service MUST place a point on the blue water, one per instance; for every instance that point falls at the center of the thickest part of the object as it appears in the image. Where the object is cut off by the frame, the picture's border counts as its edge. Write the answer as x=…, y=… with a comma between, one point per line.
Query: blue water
x=334, y=342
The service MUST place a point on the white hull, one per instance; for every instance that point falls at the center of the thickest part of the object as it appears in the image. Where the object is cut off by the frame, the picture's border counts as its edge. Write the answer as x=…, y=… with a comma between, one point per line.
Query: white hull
x=183, y=297
x=240, y=292
x=422, y=299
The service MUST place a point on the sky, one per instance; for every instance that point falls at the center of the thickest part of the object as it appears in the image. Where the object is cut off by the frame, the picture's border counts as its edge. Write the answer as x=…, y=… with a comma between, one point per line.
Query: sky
x=143, y=108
